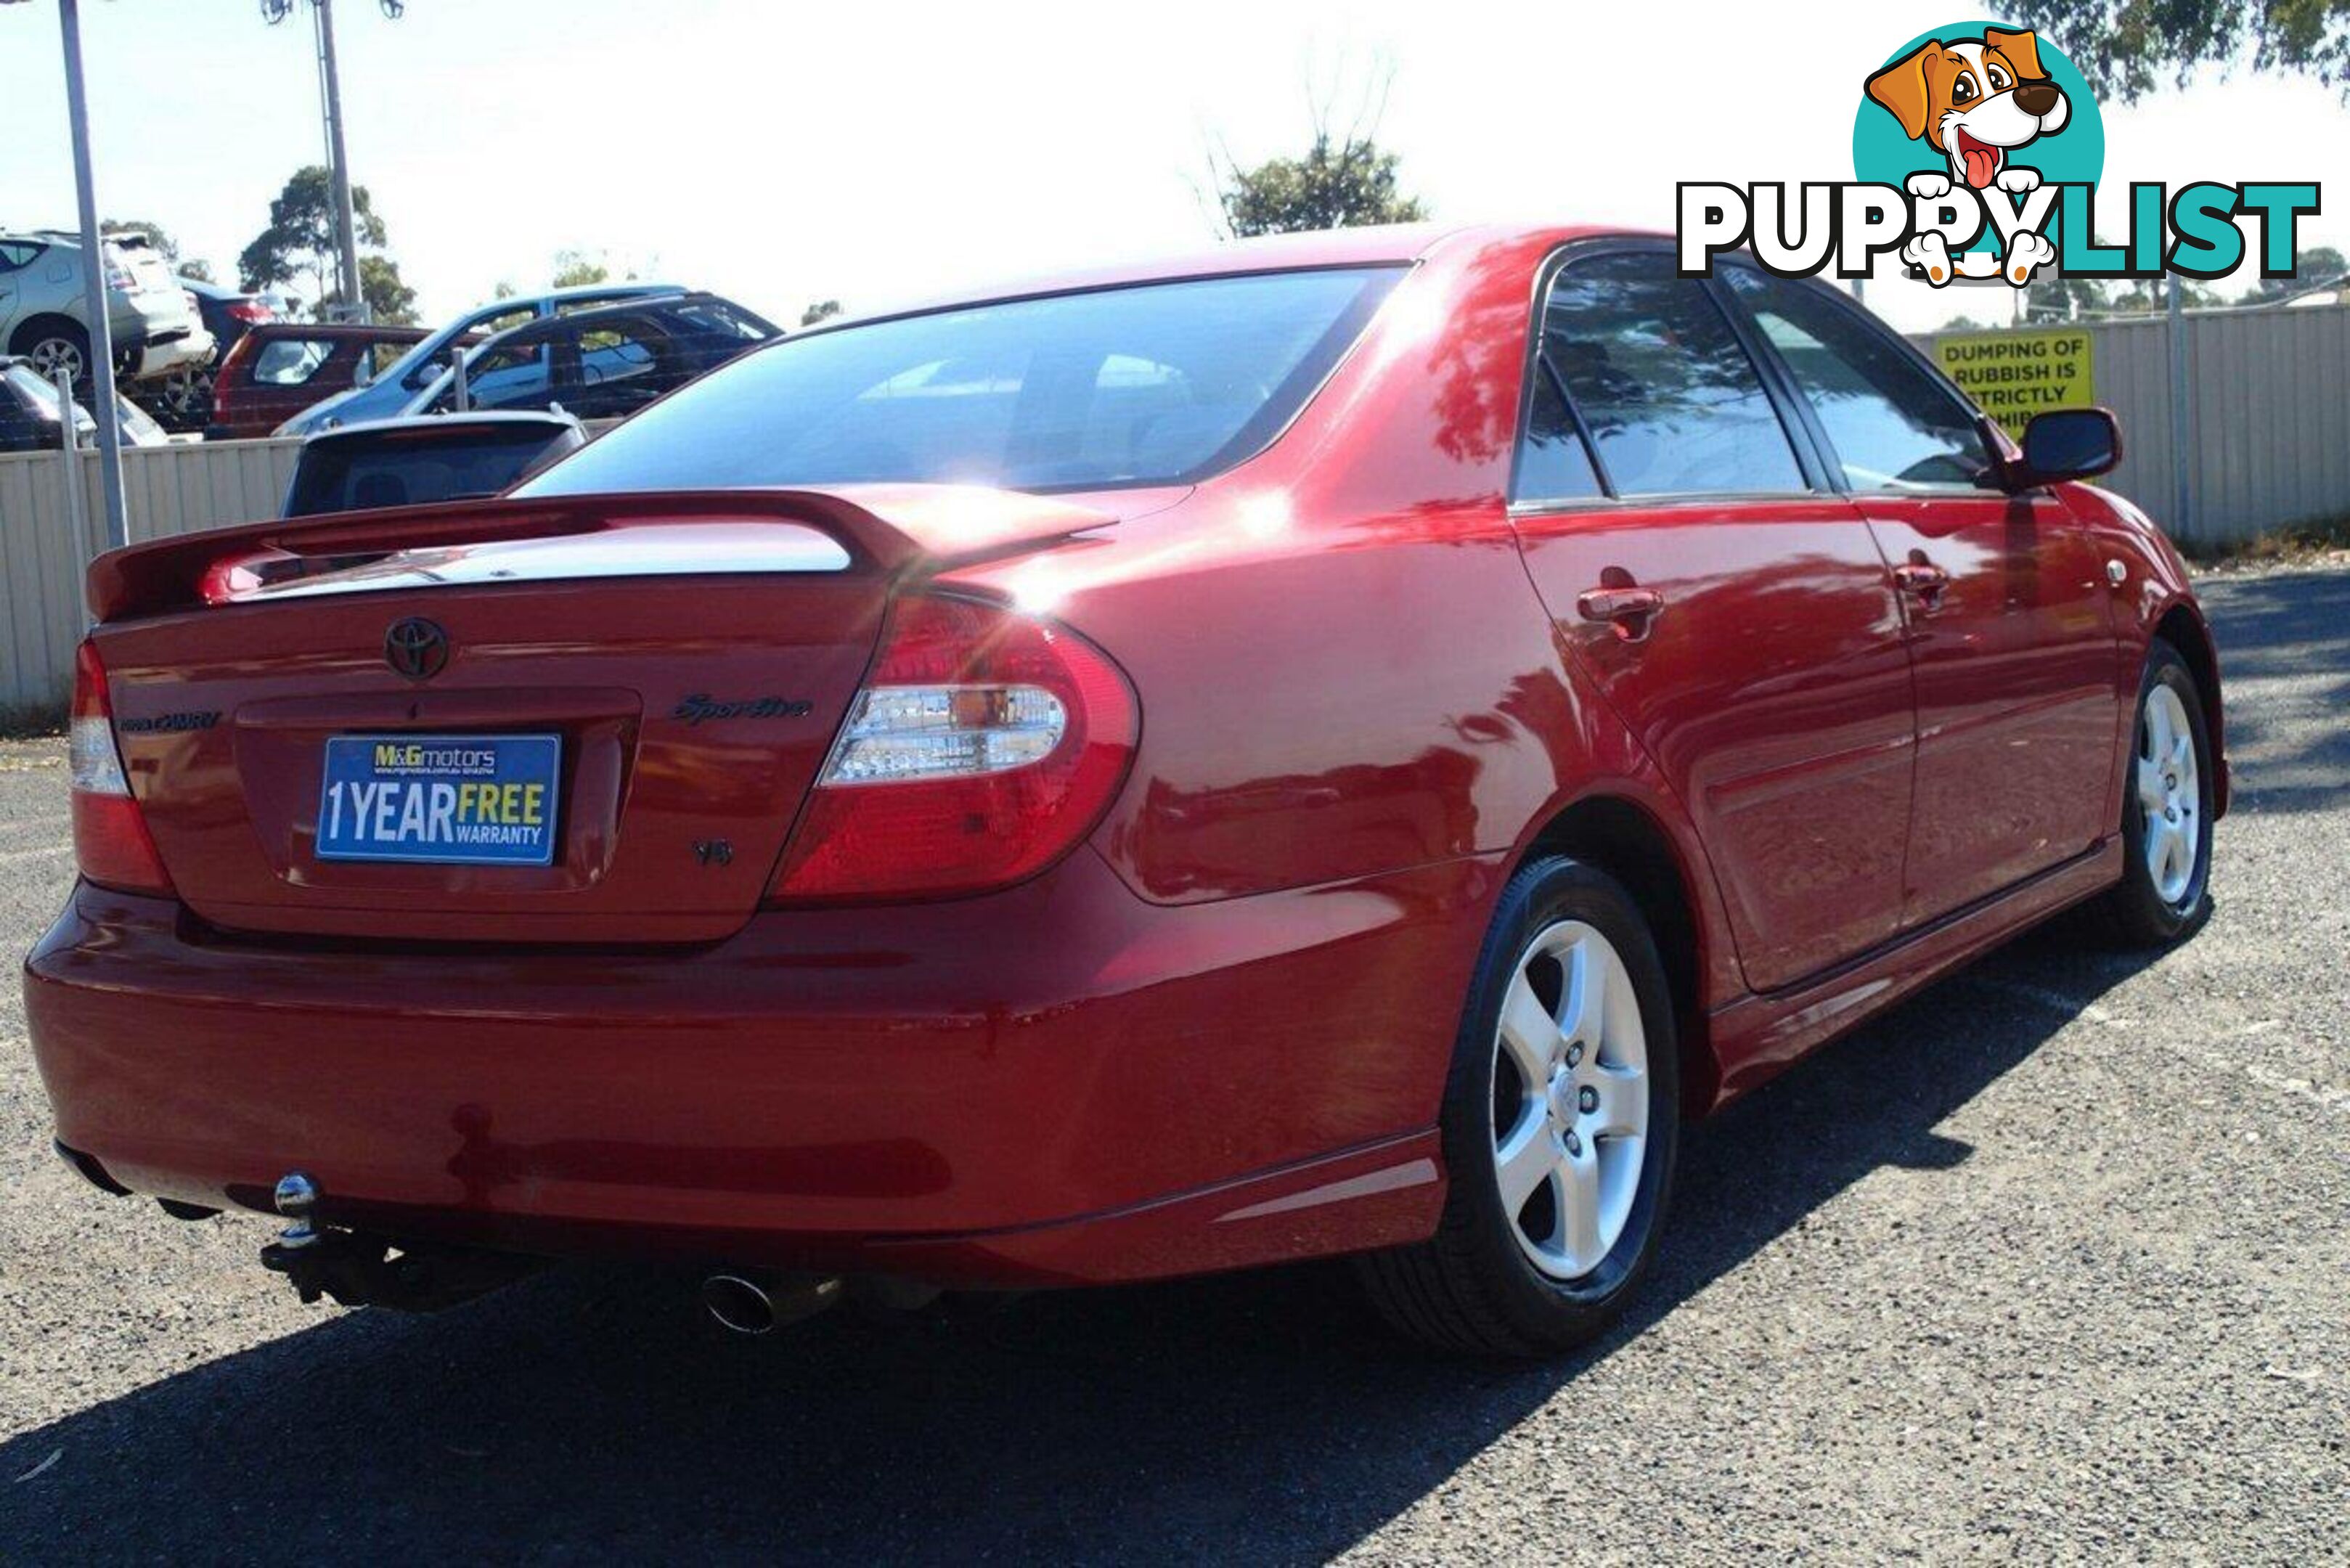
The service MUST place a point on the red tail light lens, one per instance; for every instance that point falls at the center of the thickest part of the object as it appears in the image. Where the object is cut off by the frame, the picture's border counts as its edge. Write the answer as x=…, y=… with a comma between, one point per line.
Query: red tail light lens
x=251, y=310
x=110, y=839
x=985, y=746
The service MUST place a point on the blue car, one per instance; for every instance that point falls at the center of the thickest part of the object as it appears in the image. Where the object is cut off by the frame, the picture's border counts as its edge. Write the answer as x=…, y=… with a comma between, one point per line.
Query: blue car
x=388, y=394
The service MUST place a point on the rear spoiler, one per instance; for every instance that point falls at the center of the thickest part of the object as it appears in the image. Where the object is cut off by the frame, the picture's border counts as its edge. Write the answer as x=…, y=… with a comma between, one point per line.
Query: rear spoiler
x=887, y=529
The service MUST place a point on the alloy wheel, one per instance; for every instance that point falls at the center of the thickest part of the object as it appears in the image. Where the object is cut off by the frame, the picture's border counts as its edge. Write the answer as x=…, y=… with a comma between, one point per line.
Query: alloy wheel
x=2170, y=795
x=51, y=355
x=1570, y=1118
x=184, y=397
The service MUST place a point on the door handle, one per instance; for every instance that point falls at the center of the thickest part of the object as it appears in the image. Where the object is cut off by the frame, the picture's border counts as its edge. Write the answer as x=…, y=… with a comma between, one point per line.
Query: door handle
x=1923, y=579
x=1629, y=611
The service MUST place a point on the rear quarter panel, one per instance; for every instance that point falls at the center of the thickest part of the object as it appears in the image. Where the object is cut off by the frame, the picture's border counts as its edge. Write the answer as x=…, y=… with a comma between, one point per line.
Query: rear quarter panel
x=1344, y=667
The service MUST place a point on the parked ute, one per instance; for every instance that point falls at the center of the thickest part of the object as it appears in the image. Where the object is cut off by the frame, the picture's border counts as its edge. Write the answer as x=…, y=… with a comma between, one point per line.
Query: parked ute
x=274, y=371
x=155, y=325
x=600, y=364
x=1338, y=745
x=391, y=393
x=415, y=462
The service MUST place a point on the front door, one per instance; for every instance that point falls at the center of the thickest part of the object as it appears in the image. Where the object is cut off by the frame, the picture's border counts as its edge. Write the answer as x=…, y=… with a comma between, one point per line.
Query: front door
x=1739, y=620
x=2003, y=598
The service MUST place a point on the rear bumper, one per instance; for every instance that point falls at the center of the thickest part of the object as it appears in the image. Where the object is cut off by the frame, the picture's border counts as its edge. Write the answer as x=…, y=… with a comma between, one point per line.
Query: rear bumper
x=160, y=357
x=1058, y=1084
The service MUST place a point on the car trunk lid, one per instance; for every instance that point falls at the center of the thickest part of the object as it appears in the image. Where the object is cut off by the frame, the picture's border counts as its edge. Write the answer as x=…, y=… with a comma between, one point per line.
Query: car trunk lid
x=692, y=657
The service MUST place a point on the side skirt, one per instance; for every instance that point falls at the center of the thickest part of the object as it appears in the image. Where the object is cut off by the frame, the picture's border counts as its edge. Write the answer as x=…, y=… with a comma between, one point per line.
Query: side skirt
x=1758, y=1036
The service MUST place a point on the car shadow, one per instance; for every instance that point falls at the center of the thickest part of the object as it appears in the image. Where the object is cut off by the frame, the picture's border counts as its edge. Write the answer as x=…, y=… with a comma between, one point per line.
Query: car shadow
x=1266, y=1415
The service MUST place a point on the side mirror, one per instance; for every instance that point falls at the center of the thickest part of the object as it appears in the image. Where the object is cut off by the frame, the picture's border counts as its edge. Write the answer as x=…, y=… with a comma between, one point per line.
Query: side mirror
x=2065, y=445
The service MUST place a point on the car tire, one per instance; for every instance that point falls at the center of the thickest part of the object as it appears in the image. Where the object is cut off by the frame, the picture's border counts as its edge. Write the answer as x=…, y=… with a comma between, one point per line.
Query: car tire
x=2165, y=892
x=52, y=340
x=182, y=400
x=1552, y=1265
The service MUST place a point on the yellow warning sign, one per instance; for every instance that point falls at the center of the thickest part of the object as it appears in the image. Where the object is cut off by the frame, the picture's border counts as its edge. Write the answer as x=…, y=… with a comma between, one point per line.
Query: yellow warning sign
x=2012, y=376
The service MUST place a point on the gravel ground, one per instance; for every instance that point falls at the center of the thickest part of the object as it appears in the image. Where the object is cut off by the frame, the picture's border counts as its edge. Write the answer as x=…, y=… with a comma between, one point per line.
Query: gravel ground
x=2052, y=1263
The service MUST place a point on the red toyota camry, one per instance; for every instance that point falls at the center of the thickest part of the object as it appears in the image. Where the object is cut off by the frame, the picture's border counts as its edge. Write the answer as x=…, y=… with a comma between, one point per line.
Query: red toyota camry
x=1337, y=745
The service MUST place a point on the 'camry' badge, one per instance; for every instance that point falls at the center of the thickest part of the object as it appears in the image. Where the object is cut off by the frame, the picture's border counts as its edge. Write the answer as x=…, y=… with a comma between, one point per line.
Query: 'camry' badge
x=416, y=647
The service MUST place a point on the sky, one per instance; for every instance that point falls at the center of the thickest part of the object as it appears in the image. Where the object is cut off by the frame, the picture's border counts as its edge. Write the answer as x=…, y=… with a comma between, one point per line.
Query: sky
x=881, y=153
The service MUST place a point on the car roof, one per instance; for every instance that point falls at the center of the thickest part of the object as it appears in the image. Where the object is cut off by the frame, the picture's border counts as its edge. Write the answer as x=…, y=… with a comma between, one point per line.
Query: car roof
x=552, y=324
x=405, y=422
x=589, y=290
x=209, y=289
x=268, y=331
x=1389, y=245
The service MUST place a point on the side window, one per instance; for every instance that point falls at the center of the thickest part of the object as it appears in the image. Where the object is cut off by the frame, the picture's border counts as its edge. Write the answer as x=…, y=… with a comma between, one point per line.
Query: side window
x=618, y=352
x=1553, y=462
x=513, y=376
x=16, y=254
x=1673, y=404
x=375, y=358
x=1892, y=423
x=289, y=361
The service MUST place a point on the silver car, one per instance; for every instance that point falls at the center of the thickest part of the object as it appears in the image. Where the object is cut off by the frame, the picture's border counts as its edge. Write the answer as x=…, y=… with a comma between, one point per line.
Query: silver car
x=156, y=325
x=395, y=388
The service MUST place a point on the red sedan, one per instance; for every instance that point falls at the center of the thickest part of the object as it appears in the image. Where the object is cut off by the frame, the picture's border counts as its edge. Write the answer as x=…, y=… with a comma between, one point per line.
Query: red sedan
x=1335, y=746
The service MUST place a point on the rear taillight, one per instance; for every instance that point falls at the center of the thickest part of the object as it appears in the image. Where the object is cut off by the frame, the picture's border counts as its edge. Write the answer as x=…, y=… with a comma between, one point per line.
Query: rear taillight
x=110, y=838
x=250, y=310
x=985, y=745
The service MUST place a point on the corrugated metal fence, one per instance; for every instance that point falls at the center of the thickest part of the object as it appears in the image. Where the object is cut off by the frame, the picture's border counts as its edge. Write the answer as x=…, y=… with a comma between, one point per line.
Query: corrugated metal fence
x=2269, y=437
x=2268, y=417
x=166, y=490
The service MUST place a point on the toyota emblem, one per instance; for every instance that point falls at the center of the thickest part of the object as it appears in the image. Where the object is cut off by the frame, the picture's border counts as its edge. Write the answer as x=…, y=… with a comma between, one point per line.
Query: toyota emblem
x=416, y=647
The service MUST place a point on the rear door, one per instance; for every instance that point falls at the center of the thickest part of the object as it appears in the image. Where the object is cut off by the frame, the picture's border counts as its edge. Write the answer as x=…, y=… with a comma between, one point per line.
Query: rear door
x=2003, y=598
x=1734, y=613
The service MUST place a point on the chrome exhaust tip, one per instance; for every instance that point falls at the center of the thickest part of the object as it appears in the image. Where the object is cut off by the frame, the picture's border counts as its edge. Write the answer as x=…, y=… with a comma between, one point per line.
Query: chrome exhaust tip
x=761, y=1303
x=739, y=1304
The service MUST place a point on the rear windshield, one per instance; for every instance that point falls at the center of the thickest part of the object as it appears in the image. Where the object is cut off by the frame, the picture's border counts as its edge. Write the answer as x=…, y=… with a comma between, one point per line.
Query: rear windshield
x=412, y=469
x=1163, y=383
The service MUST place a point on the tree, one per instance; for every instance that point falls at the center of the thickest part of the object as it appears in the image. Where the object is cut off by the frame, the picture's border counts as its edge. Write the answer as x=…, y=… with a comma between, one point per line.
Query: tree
x=157, y=235
x=575, y=268
x=2049, y=299
x=2127, y=48
x=1339, y=183
x=821, y=310
x=389, y=301
x=1344, y=180
x=2151, y=299
x=2316, y=266
x=299, y=245
x=165, y=246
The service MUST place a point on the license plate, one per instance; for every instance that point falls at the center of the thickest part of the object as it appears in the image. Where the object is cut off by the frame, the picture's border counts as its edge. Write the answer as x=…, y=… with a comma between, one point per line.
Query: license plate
x=468, y=800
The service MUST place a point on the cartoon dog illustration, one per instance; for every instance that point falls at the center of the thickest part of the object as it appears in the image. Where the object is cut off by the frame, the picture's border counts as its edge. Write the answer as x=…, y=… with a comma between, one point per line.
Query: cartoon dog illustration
x=1974, y=101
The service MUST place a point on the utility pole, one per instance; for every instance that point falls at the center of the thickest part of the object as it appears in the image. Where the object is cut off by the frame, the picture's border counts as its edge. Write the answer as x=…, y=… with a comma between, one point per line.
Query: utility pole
x=338, y=165
x=355, y=307
x=93, y=289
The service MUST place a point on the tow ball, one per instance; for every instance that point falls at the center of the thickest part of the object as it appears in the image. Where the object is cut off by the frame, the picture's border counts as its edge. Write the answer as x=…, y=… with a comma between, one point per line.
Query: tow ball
x=360, y=1270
